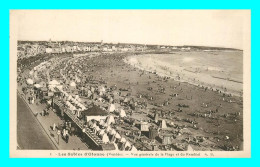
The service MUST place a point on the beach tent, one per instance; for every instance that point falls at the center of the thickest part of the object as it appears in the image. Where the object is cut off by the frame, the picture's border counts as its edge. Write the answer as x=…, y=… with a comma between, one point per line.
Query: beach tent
x=123, y=140
x=90, y=124
x=94, y=125
x=102, y=90
x=67, y=103
x=133, y=148
x=110, y=120
x=72, y=84
x=113, y=132
x=74, y=101
x=185, y=130
x=70, y=97
x=117, y=135
x=100, y=99
x=77, y=97
x=112, y=108
x=108, y=129
x=163, y=124
x=101, y=122
x=66, y=94
x=156, y=117
x=126, y=100
x=105, y=125
x=122, y=113
x=127, y=144
x=31, y=72
x=37, y=85
x=78, y=112
x=105, y=138
x=59, y=87
x=101, y=132
x=29, y=81
x=43, y=84
x=54, y=82
x=189, y=148
x=116, y=147
x=97, y=128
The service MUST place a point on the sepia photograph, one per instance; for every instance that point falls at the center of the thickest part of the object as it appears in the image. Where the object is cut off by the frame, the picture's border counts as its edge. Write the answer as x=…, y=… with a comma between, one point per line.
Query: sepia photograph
x=130, y=83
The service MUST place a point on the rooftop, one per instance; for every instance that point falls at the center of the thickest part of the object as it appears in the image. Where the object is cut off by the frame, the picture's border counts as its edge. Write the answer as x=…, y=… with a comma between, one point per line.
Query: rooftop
x=94, y=111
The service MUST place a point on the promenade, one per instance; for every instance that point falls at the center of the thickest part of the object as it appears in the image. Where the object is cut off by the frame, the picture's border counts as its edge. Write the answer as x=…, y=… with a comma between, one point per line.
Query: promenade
x=46, y=122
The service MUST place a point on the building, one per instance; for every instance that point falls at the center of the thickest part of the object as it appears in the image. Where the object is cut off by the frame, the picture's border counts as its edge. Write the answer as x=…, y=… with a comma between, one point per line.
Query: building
x=167, y=139
x=144, y=126
x=48, y=50
x=95, y=113
x=41, y=49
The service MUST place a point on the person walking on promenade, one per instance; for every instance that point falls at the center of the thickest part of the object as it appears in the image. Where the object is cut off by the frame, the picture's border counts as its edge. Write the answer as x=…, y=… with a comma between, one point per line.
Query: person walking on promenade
x=67, y=138
x=54, y=127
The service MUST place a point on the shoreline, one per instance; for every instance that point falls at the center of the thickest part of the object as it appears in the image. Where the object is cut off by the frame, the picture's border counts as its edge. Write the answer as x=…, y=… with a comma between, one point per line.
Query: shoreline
x=177, y=73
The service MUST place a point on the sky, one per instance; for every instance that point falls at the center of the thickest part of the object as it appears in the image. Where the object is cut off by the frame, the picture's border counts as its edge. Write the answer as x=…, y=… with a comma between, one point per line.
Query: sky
x=223, y=28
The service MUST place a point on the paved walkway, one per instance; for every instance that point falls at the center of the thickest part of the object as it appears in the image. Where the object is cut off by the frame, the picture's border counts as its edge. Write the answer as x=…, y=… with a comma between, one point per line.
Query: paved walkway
x=30, y=134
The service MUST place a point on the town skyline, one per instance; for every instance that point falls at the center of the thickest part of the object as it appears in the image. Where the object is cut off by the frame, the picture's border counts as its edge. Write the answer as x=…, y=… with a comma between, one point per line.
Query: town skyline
x=123, y=43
